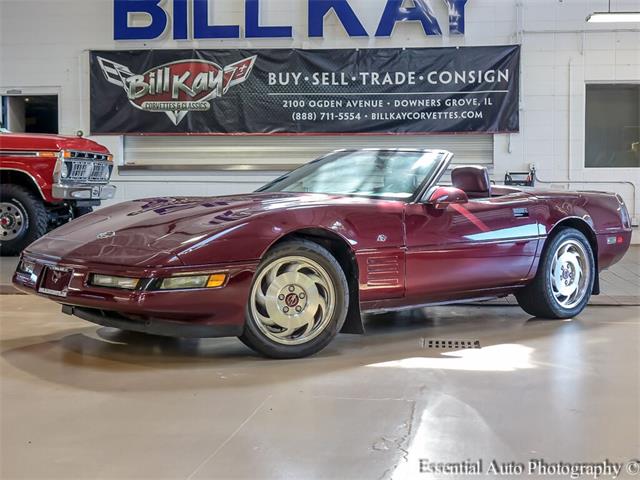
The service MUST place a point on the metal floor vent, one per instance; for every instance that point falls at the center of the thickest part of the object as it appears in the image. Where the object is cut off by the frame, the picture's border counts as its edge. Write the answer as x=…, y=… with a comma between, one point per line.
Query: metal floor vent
x=458, y=344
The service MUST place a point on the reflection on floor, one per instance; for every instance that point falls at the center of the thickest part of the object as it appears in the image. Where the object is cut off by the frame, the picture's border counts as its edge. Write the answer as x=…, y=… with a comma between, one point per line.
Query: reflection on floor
x=80, y=401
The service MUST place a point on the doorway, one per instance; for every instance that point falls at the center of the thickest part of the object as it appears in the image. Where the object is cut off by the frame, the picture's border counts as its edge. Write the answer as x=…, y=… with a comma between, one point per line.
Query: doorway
x=30, y=113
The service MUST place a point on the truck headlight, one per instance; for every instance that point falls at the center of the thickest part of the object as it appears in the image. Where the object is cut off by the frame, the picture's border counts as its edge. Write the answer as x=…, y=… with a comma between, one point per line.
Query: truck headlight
x=64, y=170
x=193, y=281
x=124, y=283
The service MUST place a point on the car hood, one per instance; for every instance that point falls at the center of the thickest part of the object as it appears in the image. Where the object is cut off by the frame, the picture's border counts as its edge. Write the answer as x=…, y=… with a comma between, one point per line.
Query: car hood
x=30, y=141
x=154, y=231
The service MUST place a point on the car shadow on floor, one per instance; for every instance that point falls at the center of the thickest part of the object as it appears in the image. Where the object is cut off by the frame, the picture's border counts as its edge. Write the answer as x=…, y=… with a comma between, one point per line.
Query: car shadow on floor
x=93, y=357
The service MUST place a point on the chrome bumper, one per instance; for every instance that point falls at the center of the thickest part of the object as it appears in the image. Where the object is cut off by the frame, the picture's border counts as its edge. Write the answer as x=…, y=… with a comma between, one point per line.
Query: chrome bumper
x=83, y=191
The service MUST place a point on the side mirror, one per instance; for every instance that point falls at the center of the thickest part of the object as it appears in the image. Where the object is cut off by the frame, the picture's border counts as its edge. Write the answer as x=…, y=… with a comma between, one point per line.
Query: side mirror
x=442, y=197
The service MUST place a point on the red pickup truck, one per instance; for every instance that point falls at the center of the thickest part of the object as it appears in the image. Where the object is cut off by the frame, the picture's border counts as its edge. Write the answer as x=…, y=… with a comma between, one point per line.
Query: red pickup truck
x=45, y=181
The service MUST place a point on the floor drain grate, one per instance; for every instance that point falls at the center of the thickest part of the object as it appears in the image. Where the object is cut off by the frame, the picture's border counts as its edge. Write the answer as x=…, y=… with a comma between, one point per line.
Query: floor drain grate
x=426, y=343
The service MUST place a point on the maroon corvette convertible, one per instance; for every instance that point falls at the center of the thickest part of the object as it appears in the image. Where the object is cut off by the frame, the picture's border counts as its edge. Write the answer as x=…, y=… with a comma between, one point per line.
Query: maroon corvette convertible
x=290, y=266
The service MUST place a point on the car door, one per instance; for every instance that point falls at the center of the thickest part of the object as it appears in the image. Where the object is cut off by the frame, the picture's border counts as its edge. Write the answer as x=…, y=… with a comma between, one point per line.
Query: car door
x=467, y=248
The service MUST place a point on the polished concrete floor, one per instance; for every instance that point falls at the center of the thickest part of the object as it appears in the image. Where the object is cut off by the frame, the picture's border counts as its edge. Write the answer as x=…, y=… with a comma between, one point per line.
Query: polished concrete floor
x=81, y=401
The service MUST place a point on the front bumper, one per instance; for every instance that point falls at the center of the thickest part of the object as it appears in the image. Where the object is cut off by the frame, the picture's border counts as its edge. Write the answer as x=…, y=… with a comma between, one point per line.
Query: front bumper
x=189, y=313
x=83, y=191
x=154, y=326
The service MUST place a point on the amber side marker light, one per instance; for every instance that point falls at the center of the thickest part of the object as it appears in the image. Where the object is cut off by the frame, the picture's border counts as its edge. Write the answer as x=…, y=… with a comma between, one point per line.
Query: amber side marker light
x=216, y=280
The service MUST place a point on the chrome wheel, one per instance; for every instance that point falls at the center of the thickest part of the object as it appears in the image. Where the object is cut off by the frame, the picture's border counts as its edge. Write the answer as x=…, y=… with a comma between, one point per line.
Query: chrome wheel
x=292, y=300
x=13, y=221
x=570, y=274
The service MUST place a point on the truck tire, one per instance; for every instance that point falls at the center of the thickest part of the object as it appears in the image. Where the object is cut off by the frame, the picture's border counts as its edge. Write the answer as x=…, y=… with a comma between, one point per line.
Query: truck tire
x=23, y=219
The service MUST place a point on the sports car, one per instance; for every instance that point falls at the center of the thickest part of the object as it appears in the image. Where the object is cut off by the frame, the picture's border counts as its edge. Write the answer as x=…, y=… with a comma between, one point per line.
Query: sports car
x=290, y=266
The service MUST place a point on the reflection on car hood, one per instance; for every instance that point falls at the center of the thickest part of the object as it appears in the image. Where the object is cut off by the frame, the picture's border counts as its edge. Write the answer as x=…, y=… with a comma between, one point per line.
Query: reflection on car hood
x=148, y=232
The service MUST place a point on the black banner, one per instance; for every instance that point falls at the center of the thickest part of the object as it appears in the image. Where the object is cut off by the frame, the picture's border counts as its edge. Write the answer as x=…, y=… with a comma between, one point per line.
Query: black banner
x=413, y=90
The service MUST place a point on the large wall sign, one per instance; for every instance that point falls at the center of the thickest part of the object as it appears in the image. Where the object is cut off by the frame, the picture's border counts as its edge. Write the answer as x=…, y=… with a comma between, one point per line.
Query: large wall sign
x=179, y=20
x=466, y=89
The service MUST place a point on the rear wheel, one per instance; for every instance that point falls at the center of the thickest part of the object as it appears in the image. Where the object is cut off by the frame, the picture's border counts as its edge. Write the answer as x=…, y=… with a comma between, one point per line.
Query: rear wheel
x=23, y=219
x=564, y=282
x=298, y=301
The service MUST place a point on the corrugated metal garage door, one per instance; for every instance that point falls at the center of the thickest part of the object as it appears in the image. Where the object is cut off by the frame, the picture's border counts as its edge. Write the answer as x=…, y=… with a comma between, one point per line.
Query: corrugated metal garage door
x=284, y=152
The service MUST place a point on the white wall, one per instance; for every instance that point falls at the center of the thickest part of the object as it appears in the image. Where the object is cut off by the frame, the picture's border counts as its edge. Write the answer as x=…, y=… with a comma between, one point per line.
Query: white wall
x=560, y=55
x=44, y=45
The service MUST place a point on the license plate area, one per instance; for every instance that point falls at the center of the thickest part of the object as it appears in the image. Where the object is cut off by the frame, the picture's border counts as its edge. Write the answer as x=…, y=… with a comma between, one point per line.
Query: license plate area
x=55, y=281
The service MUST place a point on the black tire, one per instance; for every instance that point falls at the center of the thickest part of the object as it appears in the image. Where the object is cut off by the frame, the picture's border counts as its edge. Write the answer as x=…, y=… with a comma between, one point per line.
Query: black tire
x=35, y=219
x=254, y=336
x=80, y=211
x=538, y=298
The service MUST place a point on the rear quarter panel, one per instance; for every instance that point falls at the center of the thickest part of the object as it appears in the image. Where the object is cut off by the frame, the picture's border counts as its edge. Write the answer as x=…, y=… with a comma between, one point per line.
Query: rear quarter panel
x=601, y=211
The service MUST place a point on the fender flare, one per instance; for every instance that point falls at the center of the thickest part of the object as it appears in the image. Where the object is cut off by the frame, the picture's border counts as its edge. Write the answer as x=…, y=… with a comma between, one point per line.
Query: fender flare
x=353, y=323
x=584, y=225
x=29, y=175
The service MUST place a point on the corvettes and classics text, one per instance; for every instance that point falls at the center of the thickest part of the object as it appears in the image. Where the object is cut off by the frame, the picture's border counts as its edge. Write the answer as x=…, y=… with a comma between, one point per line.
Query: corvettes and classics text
x=288, y=267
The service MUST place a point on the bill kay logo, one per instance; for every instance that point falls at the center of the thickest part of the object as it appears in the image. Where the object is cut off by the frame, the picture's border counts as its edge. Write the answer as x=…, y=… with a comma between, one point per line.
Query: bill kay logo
x=177, y=88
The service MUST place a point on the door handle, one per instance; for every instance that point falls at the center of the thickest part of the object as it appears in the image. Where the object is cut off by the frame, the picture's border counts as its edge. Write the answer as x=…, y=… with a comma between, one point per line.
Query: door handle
x=521, y=212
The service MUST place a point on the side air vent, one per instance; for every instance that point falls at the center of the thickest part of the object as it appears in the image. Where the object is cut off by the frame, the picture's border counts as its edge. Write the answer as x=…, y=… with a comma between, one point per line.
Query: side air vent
x=383, y=271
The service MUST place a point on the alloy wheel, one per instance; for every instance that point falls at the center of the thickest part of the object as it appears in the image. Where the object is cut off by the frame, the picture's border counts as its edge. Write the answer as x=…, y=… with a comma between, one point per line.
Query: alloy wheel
x=292, y=300
x=569, y=274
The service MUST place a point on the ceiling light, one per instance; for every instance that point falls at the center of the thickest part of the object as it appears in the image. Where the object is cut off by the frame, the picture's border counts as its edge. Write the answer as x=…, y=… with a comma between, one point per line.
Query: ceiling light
x=613, y=17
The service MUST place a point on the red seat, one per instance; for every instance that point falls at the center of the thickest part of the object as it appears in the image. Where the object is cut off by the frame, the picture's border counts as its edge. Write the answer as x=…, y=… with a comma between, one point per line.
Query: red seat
x=474, y=181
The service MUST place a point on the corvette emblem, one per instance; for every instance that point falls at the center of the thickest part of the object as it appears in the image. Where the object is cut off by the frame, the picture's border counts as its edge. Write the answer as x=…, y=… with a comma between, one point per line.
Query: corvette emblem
x=177, y=88
x=103, y=235
x=292, y=300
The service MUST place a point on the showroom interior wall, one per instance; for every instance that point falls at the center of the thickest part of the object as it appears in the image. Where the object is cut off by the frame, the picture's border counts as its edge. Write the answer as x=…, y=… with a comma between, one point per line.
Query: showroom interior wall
x=45, y=44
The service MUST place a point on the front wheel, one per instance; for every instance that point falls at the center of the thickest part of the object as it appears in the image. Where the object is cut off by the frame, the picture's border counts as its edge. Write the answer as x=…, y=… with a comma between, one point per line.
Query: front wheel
x=298, y=301
x=564, y=282
x=23, y=219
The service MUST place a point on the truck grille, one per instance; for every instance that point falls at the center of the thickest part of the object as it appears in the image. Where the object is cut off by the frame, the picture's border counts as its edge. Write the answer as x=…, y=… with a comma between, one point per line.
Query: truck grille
x=88, y=171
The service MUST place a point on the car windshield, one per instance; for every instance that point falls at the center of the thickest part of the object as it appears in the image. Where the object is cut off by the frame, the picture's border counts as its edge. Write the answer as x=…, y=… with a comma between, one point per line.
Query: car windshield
x=373, y=173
